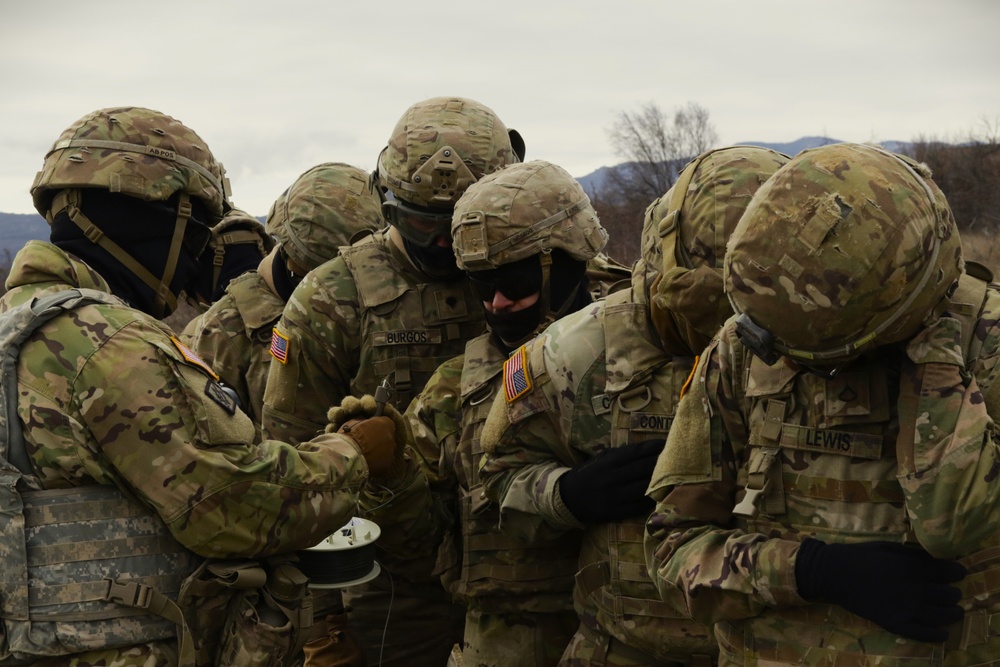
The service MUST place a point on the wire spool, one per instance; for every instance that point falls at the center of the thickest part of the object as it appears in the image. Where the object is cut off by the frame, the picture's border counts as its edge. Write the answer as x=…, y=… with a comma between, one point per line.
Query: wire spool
x=346, y=558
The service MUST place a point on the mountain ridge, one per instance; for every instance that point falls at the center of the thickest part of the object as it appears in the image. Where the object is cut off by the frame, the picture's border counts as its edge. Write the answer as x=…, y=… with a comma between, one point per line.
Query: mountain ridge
x=16, y=229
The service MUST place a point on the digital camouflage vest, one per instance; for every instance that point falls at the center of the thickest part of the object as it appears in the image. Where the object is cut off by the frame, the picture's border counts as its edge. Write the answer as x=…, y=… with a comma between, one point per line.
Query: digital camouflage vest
x=643, y=387
x=408, y=329
x=62, y=591
x=822, y=463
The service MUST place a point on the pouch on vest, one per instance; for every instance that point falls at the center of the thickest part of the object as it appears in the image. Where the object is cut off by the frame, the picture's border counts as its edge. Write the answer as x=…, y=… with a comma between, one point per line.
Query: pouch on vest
x=246, y=613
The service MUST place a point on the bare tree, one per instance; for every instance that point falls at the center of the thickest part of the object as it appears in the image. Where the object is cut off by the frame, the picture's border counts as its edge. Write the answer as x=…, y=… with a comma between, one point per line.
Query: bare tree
x=655, y=146
x=968, y=172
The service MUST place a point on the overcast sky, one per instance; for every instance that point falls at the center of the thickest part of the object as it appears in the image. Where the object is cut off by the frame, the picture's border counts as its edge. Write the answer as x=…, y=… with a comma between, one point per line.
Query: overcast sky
x=277, y=87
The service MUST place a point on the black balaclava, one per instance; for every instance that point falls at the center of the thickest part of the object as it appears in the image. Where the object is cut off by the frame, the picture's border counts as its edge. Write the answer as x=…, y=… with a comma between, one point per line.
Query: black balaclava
x=237, y=259
x=433, y=260
x=285, y=281
x=568, y=293
x=144, y=229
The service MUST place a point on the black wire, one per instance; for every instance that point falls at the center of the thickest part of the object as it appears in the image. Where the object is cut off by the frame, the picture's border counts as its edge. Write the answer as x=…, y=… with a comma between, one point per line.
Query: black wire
x=335, y=567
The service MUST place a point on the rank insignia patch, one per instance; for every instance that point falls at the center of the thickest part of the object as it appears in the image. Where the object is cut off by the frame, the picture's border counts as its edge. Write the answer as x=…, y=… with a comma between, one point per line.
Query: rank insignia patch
x=279, y=346
x=516, y=379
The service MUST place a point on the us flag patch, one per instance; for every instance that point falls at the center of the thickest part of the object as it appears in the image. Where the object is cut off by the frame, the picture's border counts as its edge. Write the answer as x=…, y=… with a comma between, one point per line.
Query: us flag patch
x=279, y=345
x=516, y=380
x=193, y=358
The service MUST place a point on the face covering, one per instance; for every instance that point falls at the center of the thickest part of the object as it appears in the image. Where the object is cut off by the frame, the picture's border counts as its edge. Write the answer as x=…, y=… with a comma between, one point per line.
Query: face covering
x=143, y=230
x=434, y=260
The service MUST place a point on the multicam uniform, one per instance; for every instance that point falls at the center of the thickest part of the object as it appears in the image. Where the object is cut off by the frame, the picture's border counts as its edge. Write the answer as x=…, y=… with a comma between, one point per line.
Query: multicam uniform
x=107, y=397
x=601, y=379
x=356, y=320
x=848, y=255
x=842, y=478
x=234, y=335
x=517, y=590
x=368, y=315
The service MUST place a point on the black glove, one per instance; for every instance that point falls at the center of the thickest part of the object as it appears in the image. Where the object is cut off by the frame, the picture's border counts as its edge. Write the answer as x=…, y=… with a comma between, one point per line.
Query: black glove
x=903, y=589
x=612, y=485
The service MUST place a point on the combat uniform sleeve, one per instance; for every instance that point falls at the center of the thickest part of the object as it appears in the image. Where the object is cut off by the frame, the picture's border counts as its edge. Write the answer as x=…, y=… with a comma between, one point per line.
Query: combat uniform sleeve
x=947, y=448
x=526, y=450
x=225, y=347
x=317, y=343
x=701, y=562
x=161, y=430
x=415, y=512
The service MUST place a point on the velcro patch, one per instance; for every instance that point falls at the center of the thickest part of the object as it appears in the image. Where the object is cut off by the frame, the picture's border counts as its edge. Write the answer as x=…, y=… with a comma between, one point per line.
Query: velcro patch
x=222, y=396
x=193, y=358
x=279, y=345
x=516, y=376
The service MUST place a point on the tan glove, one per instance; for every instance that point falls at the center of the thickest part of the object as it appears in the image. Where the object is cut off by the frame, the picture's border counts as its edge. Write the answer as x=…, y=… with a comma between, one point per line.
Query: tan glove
x=382, y=440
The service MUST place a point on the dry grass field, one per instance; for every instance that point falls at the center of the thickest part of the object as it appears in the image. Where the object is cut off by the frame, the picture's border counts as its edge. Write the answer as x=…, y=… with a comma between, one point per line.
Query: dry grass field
x=983, y=247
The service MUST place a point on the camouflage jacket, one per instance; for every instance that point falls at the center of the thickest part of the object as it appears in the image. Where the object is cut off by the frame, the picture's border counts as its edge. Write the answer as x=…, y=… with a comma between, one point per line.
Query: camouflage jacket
x=600, y=379
x=108, y=396
x=479, y=565
x=234, y=337
x=900, y=446
x=369, y=314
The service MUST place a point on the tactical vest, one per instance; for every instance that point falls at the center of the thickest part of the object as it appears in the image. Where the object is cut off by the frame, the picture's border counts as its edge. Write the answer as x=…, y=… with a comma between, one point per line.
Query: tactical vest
x=408, y=329
x=64, y=592
x=499, y=572
x=641, y=394
x=84, y=568
x=821, y=463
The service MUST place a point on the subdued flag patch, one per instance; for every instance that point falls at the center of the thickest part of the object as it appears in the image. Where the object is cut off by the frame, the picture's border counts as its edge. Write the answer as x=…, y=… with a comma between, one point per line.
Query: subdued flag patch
x=193, y=358
x=516, y=379
x=279, y=345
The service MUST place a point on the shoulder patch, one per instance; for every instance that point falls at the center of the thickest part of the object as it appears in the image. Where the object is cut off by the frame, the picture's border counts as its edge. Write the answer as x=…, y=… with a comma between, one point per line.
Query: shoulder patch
x=279, y=345
x=193, y=358
x=224, y=396
x=690, y=378
x=516, y=376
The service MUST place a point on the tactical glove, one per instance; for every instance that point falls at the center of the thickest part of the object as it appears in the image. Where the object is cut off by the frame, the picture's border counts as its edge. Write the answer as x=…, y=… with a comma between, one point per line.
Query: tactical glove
x=381, y=439
x=612, y=485
x=903, y=589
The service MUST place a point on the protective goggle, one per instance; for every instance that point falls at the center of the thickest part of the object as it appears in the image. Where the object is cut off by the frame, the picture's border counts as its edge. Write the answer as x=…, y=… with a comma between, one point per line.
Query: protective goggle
x=421, y=226
x=515, y=281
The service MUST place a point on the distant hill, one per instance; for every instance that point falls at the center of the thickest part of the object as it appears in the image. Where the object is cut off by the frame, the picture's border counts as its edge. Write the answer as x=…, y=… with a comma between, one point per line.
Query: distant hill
x=16, y=229
x=594, y=180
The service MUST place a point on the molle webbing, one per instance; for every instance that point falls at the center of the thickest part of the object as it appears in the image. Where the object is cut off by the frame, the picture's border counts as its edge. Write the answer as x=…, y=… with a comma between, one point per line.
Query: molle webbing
x=61, y=590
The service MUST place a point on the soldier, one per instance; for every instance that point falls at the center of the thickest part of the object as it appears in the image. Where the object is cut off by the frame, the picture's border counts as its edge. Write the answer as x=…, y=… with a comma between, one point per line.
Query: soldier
x=524, y=235
x=393, y=306
x=325, y=208
x=239, y=242
x=836, y=450
x=571, y=441
x=118, y=430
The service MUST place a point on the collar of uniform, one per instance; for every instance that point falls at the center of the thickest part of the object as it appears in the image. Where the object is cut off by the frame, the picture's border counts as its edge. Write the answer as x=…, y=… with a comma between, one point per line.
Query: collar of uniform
x=42, y=262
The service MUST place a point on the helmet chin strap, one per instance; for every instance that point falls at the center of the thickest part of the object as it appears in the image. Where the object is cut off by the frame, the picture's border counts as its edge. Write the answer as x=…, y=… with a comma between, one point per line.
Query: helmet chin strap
x=165, y=300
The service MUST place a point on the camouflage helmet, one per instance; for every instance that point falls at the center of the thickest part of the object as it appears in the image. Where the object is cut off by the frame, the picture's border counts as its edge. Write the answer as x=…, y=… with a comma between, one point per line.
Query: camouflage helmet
x=701, y=210
x=523, y=210
x=134, y=151
x=439, y=147
x=845, y=248
x=325, y=208
x=695, y=220
x=145, y=155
